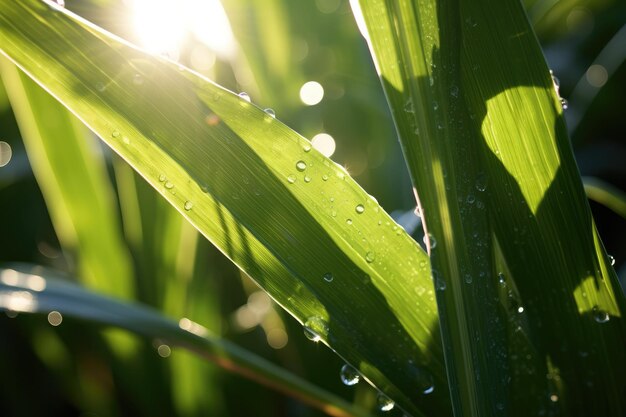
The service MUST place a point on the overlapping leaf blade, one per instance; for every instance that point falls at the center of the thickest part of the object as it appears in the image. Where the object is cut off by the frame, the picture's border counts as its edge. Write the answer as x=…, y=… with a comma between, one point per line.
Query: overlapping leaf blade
x=531, y=311
x=282, y=212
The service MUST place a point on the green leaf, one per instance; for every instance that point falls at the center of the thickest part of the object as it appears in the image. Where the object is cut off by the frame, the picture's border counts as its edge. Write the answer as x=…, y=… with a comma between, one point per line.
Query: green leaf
x=530, y=309
x=33, y=289
x=290, y=218
x=73, y=180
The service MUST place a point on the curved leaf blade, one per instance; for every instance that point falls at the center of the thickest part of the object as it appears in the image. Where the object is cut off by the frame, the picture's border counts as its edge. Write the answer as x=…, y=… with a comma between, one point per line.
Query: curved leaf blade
x=33, y=289
x=282, y=212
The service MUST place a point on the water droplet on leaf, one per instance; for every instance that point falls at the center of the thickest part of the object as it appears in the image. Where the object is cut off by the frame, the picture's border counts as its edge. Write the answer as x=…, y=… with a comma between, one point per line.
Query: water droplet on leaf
x=188, y=205
x=349, y=375
x=359, y=208
x=270, y=112
x=384, y=403
x=481, y=182
x=245, y=96
x=370, y=257
x=300, y=166
x=328, y=277
x=600, y=315
x=315, y=328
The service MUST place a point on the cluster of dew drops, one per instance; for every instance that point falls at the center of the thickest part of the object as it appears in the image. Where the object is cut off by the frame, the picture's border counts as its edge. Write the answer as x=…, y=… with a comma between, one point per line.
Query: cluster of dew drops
x=557, y=86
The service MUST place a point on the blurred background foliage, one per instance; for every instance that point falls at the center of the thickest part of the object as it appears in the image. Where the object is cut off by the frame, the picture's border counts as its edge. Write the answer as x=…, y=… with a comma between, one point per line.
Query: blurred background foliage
x=276, y=49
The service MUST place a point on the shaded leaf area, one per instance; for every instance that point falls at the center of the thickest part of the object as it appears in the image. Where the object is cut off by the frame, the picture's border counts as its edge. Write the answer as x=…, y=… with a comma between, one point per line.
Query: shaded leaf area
x=530, y=307
x=290, y=218
x=34, y=289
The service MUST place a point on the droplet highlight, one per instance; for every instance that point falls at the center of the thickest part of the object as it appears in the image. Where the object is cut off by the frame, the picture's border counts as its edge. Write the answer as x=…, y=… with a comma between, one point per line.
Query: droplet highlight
x=188, y=205
x=384, y=403
x=315, y=328
x=600, y=315
x=300, y=166
x=349, y=375
x=359, y=208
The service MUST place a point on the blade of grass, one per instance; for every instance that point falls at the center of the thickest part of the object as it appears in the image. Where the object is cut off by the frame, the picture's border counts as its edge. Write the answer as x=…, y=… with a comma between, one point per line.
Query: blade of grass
x=530, y=309
x=74, y=183
x=292, y=219
x=33, y=289
x=606, y=194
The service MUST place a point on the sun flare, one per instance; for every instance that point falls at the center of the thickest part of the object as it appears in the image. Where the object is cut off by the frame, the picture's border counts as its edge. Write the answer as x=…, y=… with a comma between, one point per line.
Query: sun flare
x=162, y=26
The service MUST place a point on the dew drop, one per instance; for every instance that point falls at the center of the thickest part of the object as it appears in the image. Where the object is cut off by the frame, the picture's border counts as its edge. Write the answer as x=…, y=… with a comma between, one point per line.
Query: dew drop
x=612, y=260
x=471, y=199
x=468, y=278
x=370, y=257
x=384, y=403
x=348, y=221
x=324, y=177
x=306, y=148
x=408, y=106
x=315, y=328
x=555, y=81
x=291, y=179
x=333, y=213
x=168, y=185
x=300, y=166
x=270, y=112
x=307, y=179
x=359, y=208
x=431, y=238
x=501, y=279
x=188, y=205
x=600, y=315
x=435, y=105
x=349, y=375
x=454, y=91
x=162, y=178
x=115, y=134
x=564, y=104
x=328, y=277
x=520, y=310
x=481, y=182
x=245, y=96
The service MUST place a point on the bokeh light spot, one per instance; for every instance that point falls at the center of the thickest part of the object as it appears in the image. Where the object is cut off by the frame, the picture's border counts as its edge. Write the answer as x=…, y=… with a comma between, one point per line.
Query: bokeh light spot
x=5, y=153
x=311, y=93
x=55, y=318
x=324, y=143
x=597, y=75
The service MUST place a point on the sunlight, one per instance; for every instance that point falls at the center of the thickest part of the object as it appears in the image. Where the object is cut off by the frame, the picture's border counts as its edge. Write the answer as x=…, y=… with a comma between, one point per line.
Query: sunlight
x=163, y=26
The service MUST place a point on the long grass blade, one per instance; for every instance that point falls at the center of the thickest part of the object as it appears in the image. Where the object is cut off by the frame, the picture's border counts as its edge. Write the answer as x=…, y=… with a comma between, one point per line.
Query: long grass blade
x=33, y=289
x=530, y=308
